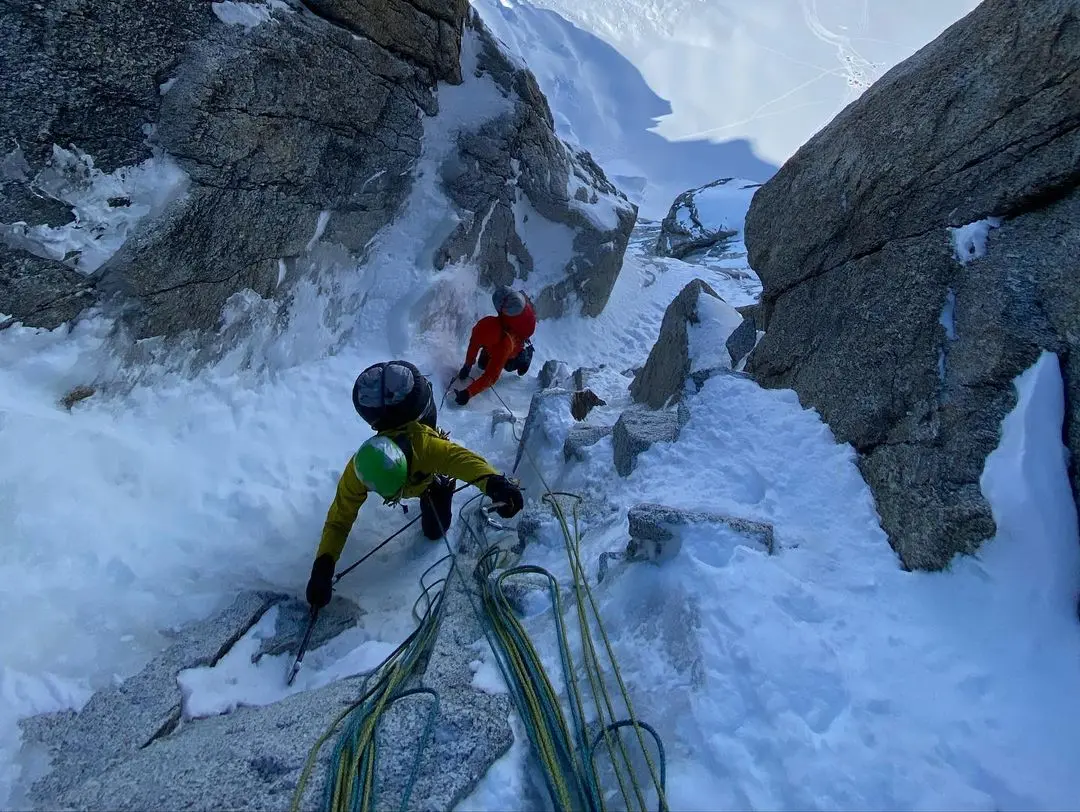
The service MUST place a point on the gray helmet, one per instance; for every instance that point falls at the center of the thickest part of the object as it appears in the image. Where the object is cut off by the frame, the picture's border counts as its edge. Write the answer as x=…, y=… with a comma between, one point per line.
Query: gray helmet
x=390, y=394
x=508, y=301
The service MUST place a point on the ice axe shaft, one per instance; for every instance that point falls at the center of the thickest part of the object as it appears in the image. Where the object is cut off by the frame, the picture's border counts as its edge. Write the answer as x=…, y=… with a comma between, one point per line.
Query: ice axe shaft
x=299, y=661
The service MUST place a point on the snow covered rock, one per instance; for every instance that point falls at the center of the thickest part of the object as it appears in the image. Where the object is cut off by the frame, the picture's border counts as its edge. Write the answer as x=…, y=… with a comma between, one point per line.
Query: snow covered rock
x=583, y=376
x=242, y=135
x=554, y=375
x=580, y=438
x=636, y=430
x=703, y=217
x=656, y=530
x=552, y=414
x=128, y=750
x=538, y=210
x=695, y=334
x=891, y=304
x=228, y=135
x=500, y=416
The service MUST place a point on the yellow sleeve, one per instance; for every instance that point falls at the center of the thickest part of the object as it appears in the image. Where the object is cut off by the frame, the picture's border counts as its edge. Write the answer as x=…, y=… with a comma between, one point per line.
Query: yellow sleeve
x=441, y=456
x=350, y=495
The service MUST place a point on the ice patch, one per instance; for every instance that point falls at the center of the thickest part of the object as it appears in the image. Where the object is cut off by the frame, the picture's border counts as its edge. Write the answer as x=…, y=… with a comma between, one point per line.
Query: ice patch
x=969, y=242
x=1026, y=481
x=320, y=227
x=166, y=86
x=248, y=15
x=106, y=207
x=948, y=314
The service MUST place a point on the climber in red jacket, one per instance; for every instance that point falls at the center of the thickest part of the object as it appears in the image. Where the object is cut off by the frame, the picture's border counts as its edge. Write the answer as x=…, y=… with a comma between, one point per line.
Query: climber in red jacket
x=502, y=342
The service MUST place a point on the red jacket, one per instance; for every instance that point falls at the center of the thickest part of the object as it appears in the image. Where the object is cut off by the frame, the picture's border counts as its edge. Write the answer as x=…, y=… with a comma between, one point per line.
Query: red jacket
x=503, y=337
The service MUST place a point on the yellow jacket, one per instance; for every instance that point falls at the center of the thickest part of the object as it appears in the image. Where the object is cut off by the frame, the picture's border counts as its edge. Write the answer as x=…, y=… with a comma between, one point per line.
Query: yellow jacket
x=428, y=452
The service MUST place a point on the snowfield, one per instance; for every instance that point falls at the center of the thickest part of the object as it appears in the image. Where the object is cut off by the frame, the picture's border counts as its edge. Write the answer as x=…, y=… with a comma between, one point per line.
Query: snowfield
x=822, y=677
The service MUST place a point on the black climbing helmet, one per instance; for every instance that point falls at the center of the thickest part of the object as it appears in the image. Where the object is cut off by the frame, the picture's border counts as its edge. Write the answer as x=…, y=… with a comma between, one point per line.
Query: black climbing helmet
x=390, y=394
x=508, y=301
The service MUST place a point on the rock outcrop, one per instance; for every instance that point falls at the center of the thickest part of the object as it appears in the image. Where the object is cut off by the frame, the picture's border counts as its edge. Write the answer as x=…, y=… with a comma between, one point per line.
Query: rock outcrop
x=705, y=217
x=129, y=748
x=538, y=210
x=242, y=134
x=674, y=357
x=902, y=329
x=269, y=114
x=637, y=430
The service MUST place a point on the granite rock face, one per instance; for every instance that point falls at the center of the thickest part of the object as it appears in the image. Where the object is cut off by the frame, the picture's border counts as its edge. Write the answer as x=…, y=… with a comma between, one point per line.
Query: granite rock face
x=914, y=265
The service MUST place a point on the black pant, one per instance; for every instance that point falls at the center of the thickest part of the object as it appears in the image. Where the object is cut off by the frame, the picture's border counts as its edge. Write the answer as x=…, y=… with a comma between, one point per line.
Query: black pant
x=436, y=507
x=519, y=363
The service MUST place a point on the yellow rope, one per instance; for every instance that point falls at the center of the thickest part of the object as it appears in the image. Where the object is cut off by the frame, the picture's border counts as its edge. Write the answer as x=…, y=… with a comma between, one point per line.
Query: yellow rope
x=581, y=586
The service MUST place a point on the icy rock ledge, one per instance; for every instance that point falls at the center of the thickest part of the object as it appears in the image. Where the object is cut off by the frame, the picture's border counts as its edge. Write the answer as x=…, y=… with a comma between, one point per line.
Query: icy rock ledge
x=129, y=747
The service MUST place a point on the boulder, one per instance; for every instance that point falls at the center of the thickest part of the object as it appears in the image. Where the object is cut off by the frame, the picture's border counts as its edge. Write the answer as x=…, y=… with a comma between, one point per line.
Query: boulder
x=891, y=305
x=584, y=401
x=636, y=430
x=705, y=217
x=675, y=355
x=538, y=206
x=580, y=438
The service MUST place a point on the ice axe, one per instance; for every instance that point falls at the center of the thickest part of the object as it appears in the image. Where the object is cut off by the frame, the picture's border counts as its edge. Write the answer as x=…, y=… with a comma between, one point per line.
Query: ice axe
x=299, y=661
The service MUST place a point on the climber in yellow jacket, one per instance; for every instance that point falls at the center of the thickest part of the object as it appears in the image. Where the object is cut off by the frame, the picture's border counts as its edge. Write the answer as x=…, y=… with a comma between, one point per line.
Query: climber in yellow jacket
x=408, y=457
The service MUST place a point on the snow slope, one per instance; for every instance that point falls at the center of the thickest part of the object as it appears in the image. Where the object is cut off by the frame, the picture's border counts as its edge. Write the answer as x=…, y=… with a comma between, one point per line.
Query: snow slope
x=772, y=72
x=819, y=678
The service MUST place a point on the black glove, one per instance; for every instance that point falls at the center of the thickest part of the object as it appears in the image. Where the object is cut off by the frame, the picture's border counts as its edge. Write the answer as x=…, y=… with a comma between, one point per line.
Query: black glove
x=462, y=396
x=465, y=371
x=501, y=489
x=321, y=584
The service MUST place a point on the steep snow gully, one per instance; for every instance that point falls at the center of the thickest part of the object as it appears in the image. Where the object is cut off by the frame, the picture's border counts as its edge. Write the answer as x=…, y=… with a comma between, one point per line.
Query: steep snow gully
x=820, y=677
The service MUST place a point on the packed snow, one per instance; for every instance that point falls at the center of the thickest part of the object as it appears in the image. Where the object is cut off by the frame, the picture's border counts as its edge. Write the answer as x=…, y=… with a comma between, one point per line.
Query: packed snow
x=969, y=242
x=707, y=339
x=1026, y=482
x=105, y=207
